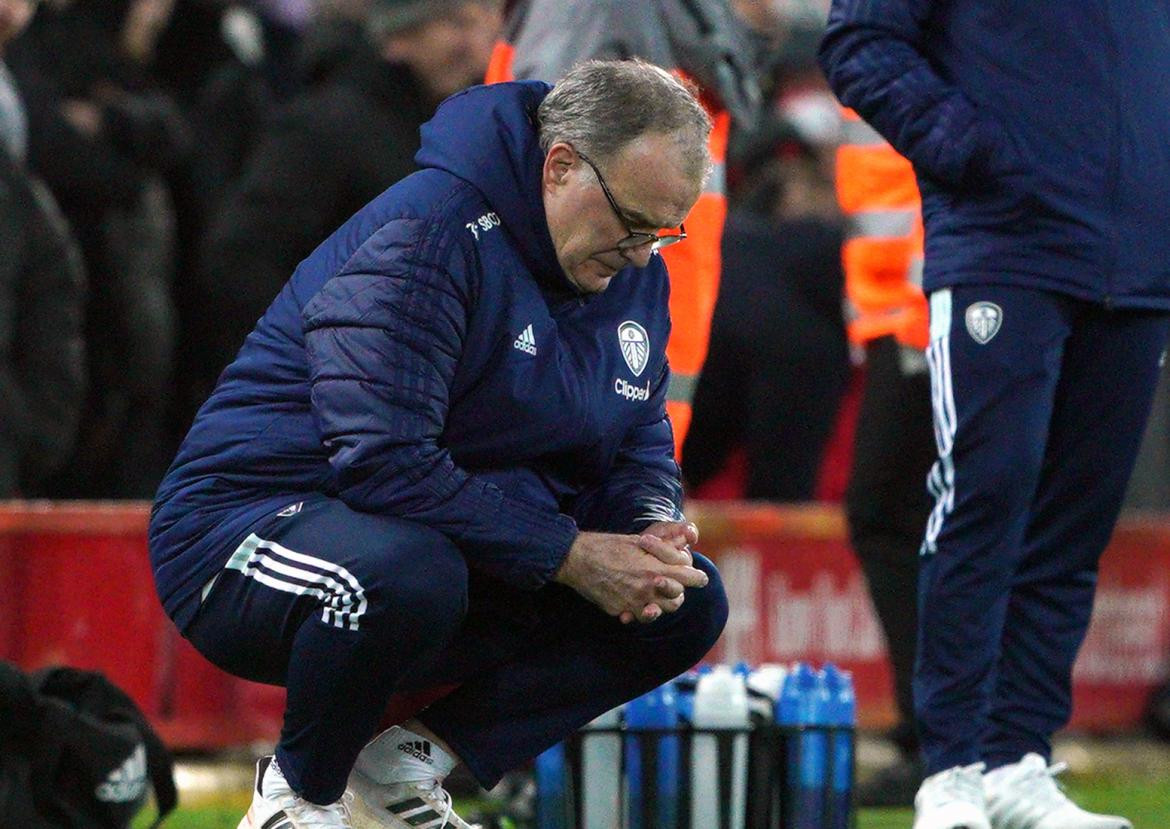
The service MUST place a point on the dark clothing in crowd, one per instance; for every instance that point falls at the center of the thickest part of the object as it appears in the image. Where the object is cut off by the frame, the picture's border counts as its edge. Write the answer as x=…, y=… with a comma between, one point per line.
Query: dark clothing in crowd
x=778, y=362
x=109, y=171
x=324, y=156
x=72, y=55
x=191, y=49
x=42, y=367
x=887, y=503
x=86, y=173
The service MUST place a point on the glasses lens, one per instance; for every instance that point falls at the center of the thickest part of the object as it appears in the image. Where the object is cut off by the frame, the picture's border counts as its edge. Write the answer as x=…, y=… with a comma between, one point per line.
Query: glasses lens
x=655, y=240
x=637, y=240
x=666, y=241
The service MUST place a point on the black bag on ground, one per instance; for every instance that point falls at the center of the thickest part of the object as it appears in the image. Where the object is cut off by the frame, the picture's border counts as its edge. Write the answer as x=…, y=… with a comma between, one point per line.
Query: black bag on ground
x=76, y=753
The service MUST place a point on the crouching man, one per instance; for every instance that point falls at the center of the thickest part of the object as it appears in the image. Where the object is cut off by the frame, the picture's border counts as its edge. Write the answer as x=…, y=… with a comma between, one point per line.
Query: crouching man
x=421, y=469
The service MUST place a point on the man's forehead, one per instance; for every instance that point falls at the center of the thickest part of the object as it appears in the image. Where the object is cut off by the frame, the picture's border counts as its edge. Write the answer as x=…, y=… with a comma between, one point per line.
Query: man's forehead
x=651, y=184
x=650, y=211
x=637, y=218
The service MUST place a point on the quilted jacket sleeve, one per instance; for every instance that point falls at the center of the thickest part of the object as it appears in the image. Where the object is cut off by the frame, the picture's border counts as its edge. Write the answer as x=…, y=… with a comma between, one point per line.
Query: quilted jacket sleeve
x=643, y=486
x=384, y=338
x=873, y=57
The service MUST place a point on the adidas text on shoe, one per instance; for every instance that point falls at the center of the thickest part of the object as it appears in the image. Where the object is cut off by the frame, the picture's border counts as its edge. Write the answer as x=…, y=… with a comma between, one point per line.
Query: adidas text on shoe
x=418, y=749
x=276, y=806
x=952, y=799
x=397, y=783
x=1025, y=795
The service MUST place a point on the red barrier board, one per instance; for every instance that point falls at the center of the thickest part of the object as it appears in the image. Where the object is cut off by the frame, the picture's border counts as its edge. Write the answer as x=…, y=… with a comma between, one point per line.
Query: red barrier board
x=77, y=590
x=797, y=592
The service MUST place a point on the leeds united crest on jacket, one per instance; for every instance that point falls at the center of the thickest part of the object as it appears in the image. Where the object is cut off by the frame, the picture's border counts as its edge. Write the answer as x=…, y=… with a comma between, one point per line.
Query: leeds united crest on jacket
x=635, y=346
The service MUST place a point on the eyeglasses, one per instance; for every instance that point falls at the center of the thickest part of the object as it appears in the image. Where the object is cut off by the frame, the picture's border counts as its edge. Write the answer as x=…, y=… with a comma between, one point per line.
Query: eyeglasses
x=635, y=239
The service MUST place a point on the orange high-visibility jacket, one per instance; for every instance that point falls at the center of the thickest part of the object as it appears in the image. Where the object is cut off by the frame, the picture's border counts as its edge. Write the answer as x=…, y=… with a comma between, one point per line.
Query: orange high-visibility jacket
x=694, y=265
x=882, y=255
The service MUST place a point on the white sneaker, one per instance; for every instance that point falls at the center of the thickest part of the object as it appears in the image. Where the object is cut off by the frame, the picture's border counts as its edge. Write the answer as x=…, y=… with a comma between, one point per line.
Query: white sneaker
x=276, y=806
x=952, y=799
x=1024, y=795
x=397, y=783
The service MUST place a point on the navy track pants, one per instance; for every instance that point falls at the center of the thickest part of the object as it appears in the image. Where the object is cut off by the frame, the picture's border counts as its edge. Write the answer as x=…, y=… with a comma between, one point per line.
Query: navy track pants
x=1039, y=406
x=345, y=608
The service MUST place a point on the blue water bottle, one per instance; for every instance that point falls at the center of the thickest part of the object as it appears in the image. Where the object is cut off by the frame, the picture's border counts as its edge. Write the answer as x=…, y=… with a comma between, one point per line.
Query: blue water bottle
x=652, y=794
x=552, y=797
x=803, y=703
x=843, y=715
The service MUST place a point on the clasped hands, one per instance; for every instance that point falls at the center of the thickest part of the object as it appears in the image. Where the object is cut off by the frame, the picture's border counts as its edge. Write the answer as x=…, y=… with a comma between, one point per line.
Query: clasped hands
x=634, y=577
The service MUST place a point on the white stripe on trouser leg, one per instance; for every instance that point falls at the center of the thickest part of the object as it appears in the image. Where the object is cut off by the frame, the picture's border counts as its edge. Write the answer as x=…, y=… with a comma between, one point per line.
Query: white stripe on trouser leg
x=336, y=587
x=941, y=481
x=338, y=597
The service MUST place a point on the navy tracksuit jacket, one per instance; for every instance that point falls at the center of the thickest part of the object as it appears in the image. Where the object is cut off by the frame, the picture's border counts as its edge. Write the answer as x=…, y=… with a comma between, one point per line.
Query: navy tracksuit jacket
x=380, y=488
x=1040, y=134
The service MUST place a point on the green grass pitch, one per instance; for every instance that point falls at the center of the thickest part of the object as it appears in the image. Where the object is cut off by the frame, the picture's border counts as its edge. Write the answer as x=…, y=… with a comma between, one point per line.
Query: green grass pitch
x=1145, y=802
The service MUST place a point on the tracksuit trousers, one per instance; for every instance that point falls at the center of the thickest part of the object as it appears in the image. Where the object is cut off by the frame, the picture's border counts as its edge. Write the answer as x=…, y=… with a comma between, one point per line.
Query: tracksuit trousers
x=345, y=608
x=1039, y=405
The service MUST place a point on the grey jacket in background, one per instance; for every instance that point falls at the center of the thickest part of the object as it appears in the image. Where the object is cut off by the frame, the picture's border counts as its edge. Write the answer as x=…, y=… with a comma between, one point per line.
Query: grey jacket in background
x=704, y=39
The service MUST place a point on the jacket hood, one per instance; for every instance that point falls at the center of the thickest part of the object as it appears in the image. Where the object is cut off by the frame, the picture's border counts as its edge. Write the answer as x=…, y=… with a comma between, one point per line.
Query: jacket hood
x=488, y=136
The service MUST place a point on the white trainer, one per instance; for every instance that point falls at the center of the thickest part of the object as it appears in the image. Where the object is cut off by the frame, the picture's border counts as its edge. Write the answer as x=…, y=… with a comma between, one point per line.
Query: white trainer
x=1025, y=795
x=952, y=799
x=276, y=806
x=397, y=783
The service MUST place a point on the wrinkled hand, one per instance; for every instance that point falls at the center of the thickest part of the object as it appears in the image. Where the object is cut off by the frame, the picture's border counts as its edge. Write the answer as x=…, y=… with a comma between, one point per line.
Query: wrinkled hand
x=678, y=534
x=629, y=576
x=681, y=534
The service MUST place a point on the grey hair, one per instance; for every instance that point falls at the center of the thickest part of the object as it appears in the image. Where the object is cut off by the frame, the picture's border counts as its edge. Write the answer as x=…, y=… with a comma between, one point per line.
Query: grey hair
x=601, y=106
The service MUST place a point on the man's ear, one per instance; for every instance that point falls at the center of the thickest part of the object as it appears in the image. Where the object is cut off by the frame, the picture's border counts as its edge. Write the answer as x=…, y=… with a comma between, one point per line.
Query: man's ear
x=557, y=163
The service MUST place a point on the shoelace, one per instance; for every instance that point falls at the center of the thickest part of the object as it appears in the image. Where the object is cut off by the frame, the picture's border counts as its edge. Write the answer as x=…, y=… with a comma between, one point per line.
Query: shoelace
x=436, y=791
x=1041, y=787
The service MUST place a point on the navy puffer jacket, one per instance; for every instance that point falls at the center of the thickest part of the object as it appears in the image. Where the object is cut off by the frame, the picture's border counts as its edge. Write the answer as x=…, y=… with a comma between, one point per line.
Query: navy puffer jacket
x=1039, y=130
x=431, y=361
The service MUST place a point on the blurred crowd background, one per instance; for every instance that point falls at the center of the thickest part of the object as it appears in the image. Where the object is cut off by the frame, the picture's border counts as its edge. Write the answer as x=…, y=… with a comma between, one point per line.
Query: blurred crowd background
x=165, y=165
x=169, y=162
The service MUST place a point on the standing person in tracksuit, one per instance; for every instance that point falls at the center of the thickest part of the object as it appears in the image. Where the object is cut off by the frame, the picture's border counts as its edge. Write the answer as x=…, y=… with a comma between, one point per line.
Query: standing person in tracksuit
x=443, y=457
x=1040, y=135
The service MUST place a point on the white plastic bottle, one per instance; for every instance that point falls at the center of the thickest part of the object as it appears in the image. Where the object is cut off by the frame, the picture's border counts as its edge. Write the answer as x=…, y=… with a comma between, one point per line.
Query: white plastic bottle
x=720, y=702
x=601, y=770
x=766, y=682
